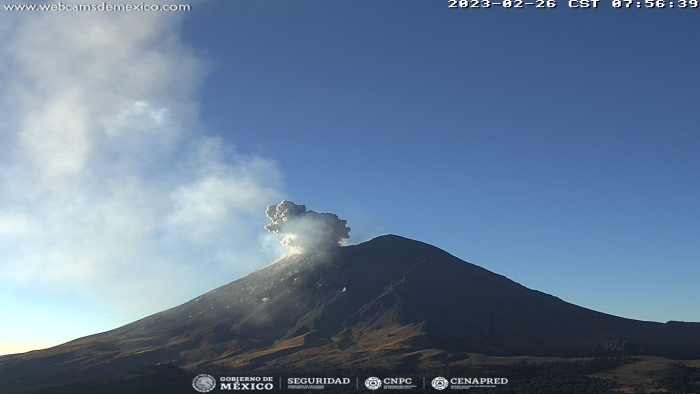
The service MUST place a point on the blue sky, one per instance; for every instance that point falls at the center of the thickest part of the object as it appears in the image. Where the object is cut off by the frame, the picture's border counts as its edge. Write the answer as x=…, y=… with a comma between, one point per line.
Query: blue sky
x=555, y=147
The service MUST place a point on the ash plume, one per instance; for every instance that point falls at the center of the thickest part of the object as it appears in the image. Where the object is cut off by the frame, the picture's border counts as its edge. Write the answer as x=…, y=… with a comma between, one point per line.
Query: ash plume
x=305, y=230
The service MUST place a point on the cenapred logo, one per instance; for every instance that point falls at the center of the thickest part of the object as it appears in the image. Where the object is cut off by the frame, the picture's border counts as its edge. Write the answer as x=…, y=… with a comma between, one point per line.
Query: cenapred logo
x=440, y=383
x=204, y=383
x=373, y=383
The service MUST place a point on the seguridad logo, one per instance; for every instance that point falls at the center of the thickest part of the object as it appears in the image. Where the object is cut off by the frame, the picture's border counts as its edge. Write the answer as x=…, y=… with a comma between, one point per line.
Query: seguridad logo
x=316, y=383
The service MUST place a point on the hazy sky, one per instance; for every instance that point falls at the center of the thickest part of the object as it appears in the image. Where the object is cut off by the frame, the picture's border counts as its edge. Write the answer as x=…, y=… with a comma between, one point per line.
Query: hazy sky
x=138, y=150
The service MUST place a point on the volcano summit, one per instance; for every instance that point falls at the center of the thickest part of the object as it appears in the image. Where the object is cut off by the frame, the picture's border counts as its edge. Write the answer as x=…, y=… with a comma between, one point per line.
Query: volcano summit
x=390, y=303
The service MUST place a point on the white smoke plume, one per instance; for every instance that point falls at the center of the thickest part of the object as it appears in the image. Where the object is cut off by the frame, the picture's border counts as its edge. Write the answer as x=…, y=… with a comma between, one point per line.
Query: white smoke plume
x=109, y=189
x=306, y=230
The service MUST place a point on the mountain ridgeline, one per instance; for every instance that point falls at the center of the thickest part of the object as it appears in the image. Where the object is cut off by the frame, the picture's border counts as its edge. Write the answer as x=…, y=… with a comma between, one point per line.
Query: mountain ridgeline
x=388, y=303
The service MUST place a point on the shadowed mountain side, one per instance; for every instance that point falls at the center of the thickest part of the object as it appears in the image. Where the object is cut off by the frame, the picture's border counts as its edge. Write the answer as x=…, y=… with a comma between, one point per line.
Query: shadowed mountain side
x=387, y=303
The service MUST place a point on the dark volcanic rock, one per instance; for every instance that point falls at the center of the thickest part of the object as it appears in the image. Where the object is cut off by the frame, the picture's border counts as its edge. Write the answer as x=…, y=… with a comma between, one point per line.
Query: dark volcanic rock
x=388, y=303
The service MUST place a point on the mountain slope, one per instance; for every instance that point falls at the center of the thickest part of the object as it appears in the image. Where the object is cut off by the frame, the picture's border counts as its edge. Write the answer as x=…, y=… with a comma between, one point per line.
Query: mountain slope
x=387, y=303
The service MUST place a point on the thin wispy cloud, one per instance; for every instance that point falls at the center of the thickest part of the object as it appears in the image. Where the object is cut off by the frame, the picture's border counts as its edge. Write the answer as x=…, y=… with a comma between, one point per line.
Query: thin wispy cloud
x=110, y=189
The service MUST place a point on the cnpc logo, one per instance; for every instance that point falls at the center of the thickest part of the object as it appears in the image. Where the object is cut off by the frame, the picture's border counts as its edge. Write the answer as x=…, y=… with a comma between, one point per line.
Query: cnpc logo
x=375, y=383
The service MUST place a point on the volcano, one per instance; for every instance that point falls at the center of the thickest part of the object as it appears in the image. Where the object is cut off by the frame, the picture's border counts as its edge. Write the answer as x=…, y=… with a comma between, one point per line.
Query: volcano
x=388, y=303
